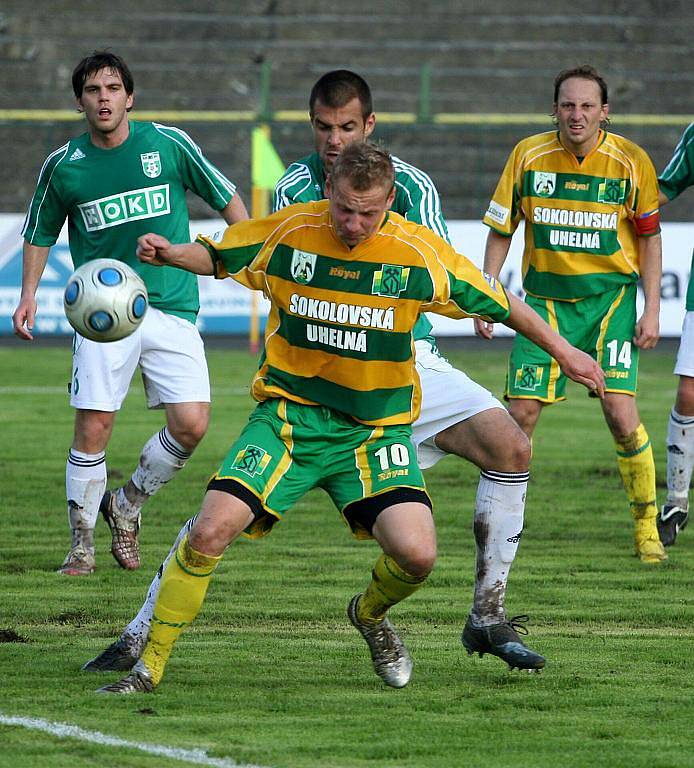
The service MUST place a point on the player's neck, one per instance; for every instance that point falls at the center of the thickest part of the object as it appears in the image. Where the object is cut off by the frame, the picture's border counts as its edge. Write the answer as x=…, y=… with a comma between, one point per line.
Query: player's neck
x=110, y=139
x=585, y=148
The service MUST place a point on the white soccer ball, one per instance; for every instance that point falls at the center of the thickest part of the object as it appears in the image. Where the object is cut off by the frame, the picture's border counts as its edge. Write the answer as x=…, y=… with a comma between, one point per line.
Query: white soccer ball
x=105, y=300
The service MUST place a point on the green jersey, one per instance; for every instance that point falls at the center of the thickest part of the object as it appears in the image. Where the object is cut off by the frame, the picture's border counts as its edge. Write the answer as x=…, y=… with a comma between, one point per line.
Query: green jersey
x=112, y=196
x=416, y=198
x=677, y=176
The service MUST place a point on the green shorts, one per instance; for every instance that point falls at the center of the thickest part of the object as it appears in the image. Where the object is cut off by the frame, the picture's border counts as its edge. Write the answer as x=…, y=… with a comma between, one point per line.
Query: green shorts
x=602, y=325
x=286, y=449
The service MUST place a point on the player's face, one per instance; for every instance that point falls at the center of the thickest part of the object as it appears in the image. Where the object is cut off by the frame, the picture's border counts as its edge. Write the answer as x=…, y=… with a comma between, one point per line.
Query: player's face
x=579, y=111
x=105, y=104
x=336, y=128
x=356, y=214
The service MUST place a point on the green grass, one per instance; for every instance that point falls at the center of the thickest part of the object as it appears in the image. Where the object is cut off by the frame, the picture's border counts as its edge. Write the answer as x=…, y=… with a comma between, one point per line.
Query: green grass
x=272, y=673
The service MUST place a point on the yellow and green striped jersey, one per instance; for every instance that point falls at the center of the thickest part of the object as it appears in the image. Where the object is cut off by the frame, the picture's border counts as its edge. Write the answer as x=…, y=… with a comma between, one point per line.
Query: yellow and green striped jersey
x=339, y=330
x=583, y=217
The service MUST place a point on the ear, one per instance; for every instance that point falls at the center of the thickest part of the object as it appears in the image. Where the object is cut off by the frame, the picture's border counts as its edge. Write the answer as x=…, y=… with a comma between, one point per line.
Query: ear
x=604, y=112
x=129, y=102
x=80, y=108
x=391, y=197
x=369, y=125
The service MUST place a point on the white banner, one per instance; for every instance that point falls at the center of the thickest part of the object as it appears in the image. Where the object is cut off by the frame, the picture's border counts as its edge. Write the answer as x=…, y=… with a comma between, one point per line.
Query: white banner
x=225, y=306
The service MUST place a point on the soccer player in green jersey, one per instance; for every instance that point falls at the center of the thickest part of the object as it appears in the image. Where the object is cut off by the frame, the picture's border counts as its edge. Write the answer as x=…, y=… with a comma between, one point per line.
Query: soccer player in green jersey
x=673, y=517
x=589, y=200
x=458, y=416
x=337, y=391
x=113, y=183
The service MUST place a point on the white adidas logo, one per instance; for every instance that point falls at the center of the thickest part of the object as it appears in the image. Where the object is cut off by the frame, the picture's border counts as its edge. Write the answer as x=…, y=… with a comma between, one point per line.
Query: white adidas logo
x=77, y=154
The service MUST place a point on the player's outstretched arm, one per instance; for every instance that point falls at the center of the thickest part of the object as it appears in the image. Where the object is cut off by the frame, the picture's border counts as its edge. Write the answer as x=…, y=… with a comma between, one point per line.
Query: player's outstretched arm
x=34, y=258
x=158, y=251
x=575, y=364
x=495, y=253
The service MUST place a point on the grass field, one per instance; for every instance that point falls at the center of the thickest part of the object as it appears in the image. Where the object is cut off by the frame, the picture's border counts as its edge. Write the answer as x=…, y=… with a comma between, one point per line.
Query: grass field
x=273, y=675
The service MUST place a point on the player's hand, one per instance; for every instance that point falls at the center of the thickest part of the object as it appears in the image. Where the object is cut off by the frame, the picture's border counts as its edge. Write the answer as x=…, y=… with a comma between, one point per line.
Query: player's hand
x=581, y=368
x=153, y=249
x=483, y=329
x=647, y=331
x=23, y=318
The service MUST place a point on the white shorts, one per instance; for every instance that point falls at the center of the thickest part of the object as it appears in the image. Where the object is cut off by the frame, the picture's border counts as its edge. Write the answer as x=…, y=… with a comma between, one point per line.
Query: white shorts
x=684, y=365
x=171, y=356
x=448, y=397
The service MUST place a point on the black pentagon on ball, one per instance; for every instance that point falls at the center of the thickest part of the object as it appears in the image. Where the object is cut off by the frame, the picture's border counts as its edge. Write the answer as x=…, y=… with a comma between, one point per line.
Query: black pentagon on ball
x=100, y=321
x=72, y=292
x=110, y=276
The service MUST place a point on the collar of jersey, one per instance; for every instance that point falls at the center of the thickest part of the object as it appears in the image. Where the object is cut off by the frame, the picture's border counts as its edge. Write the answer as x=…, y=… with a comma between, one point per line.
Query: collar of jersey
x=598, y=144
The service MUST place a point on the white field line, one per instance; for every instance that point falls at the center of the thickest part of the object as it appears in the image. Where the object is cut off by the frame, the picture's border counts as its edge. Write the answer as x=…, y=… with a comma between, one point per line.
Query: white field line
x=65, y=731
x=235, y=391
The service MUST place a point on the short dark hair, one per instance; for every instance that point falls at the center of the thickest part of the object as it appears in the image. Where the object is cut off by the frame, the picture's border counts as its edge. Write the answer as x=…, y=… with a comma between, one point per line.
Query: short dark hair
x=97, y=61
x=339, y=87
x=365, y=165
x=586, y=72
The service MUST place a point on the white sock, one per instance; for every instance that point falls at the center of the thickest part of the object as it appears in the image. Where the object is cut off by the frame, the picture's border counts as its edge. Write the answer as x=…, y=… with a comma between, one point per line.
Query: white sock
x=85, y=483
x=680, y=458
x=161, y=458
x=498, y=526
x=139, y=626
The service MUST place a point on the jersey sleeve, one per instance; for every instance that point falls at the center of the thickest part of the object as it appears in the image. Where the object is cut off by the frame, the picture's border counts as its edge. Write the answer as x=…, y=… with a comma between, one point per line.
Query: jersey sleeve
x=197, y=173
x=417, y=198
x=679, y=172
x=466, y=291
x=295, y=186
x=504, y=212
x=241, y=251
x=646, y=213
x=47, y=209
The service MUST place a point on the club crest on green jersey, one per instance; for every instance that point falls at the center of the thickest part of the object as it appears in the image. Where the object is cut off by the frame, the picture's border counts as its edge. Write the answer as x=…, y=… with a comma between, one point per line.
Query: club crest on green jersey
x=303, y=266
x=252, y=460
x=390, y=280
x=544, y=183
x=529, y=376
x=612, y=191
x=151, y=164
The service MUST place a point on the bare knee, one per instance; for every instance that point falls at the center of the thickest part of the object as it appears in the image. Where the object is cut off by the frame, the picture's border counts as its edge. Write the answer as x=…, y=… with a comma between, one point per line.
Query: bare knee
x=418, y=561
x=222, y=519
x=92, y=430
x=188, y=426
x=621, y=415
x=514, y=451
x=525, y=413
x=190, y=435
x=684, y=404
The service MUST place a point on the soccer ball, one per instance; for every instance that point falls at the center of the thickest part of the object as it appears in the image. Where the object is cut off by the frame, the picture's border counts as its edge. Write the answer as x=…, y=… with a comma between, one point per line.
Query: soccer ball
x=105, y=300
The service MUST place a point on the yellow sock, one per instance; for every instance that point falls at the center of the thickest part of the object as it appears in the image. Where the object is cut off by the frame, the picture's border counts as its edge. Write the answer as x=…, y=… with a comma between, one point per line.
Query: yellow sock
x=181, y=594
x=637, y=468
x=389, y=585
